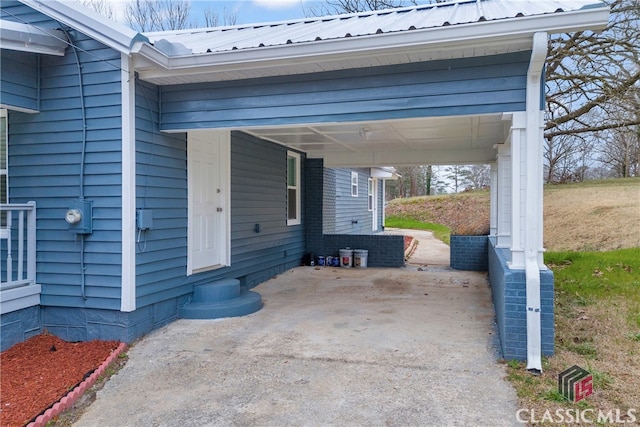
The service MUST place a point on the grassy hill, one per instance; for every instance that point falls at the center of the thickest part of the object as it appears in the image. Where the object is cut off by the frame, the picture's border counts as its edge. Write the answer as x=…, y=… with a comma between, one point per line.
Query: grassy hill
x=589, y=216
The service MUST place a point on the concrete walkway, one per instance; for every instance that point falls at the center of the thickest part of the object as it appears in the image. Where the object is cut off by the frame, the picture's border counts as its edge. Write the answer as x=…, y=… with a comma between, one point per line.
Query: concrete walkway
x=332, y=346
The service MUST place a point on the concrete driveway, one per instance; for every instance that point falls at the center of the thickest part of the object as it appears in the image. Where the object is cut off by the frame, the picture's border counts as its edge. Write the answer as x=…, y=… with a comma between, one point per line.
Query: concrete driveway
x=332, y=346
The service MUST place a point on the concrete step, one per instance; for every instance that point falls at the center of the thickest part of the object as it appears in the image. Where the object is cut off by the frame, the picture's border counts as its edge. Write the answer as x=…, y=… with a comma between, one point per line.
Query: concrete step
x=248, y=302
x=220, y=290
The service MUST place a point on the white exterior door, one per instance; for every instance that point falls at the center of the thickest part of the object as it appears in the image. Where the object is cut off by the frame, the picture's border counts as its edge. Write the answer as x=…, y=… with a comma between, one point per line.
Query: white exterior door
x=209, y=220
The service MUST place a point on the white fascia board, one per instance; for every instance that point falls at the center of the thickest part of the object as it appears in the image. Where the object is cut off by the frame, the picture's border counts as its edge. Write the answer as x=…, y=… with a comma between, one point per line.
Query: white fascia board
x=29, y=38
x=516, y=30
x=112, y=34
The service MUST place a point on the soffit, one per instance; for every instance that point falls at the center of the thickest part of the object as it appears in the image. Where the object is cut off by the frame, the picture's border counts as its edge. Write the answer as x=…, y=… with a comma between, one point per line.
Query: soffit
x=431, y=140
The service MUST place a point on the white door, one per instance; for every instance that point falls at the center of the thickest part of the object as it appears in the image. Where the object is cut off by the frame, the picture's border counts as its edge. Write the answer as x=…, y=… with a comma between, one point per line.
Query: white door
x=209, y=221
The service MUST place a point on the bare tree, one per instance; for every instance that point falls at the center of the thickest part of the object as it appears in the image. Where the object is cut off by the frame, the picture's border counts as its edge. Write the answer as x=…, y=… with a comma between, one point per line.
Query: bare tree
x=103, y=7
x=158, y=15
x=332, y=7
x=212, y=17
x=589, y=78
x=479, y=177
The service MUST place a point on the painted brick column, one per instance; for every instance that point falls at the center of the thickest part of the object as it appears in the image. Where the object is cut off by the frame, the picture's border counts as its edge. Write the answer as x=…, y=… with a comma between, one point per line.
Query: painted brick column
x=509, y=293
x=313, y=191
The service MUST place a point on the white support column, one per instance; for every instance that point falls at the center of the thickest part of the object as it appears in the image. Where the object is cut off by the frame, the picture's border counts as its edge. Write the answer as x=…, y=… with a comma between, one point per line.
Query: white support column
x=493, y=202
x=504, y=196
x=518, y=189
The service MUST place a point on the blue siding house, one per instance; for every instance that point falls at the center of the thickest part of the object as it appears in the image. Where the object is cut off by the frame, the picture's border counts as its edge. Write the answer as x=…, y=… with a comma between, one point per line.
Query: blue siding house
x=139, y=167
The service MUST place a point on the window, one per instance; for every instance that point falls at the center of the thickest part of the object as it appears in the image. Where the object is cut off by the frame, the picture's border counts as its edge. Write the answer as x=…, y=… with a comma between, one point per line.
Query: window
x=293, y=188
x=3, y=166
x=370, y=194
x=354, y=184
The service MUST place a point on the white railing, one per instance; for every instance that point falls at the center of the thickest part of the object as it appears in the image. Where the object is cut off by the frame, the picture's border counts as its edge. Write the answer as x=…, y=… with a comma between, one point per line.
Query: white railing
x=17, y=245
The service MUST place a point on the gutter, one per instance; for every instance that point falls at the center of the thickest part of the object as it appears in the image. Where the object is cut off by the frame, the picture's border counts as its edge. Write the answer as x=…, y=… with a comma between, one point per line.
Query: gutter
x=533, y=202
x=30, y=38
x=112, y=34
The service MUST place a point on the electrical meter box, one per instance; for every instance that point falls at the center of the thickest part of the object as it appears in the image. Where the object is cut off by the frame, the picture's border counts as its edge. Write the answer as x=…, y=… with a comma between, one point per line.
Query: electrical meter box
x=79, y=216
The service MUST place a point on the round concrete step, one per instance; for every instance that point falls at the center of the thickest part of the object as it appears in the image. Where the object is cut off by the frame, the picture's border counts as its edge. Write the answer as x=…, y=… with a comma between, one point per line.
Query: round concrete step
x=248, y=302
x=220, y=290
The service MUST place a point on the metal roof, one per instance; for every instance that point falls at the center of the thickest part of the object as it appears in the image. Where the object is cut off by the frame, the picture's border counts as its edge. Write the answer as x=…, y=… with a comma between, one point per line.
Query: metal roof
x=313, y=30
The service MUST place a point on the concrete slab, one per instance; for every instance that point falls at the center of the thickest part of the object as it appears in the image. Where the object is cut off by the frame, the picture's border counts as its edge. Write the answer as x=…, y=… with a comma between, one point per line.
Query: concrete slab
x=332, y=346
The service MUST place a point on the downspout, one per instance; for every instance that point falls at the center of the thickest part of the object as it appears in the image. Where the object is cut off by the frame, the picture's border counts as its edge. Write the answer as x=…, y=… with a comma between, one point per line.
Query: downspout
x=533, y=211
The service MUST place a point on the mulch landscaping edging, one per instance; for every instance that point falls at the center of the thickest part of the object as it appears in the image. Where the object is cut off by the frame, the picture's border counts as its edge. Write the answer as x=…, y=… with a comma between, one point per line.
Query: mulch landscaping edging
x=411, y=248
x=70, y=398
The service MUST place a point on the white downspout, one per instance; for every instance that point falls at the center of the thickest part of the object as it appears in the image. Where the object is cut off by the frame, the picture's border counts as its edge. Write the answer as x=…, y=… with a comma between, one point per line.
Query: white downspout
x=533, y=200
x=128, y=290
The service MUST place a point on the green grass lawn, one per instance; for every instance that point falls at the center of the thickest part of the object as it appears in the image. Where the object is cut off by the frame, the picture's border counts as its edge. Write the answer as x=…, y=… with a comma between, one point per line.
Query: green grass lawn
x=440, y=232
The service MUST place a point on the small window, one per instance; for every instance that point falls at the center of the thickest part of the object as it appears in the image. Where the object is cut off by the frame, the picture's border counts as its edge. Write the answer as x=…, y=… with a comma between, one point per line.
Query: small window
x=370, y=194
x=293, y=188
x=354, y=184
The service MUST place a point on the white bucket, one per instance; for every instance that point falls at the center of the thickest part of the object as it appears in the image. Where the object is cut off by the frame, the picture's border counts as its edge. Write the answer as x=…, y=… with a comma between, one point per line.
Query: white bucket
x=360, y=258
x=346, y=255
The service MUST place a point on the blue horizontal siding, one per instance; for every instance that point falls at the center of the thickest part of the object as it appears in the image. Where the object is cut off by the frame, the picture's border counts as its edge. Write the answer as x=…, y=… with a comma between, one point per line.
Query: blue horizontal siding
x=258, y=196
x=14, y=11
x=350, y=215
x=45, y=161
x=438, y=88
x=19, y=83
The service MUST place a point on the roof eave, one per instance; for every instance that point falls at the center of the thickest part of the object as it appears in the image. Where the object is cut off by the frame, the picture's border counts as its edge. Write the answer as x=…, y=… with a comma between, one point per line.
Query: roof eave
x=157, y=65
x=88, y=22
x=28, y=38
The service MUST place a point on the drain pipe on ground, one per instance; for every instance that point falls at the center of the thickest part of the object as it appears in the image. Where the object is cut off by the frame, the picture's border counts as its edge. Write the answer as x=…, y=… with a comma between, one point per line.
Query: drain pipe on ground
x=533, y=210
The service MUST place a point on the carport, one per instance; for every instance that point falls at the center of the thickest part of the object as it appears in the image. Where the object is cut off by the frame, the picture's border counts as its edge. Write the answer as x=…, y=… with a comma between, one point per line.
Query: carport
x=452, y=83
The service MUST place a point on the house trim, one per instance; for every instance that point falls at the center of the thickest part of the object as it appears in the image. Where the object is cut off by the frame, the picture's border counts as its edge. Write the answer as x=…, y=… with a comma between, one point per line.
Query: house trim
x=297, y=220
x=128, y=294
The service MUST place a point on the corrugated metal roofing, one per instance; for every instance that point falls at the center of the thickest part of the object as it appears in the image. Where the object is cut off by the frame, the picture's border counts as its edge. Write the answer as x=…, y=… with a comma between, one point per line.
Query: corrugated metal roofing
x=221, y=39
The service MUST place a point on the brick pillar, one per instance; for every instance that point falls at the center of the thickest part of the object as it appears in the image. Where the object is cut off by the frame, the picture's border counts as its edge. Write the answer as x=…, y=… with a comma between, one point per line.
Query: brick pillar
x=314, y=184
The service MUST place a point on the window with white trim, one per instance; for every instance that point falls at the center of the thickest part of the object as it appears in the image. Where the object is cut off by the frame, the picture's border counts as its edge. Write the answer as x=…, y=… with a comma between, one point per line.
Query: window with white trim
x=4, y=189
x=293, y=188
x=354, y=184
x=370, y=200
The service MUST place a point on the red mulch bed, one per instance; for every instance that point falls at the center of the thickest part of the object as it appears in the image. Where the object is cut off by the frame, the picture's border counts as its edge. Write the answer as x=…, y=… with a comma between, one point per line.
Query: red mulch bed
x=407, y=242
x=37, y=373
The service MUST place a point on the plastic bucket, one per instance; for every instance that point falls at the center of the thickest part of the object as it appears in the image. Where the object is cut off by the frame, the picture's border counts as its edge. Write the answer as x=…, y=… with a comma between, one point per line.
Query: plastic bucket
x=346, y=255
x=360, y=258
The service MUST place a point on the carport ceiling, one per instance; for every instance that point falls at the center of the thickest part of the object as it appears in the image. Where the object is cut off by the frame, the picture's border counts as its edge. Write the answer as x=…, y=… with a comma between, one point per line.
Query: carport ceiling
x=434, y=140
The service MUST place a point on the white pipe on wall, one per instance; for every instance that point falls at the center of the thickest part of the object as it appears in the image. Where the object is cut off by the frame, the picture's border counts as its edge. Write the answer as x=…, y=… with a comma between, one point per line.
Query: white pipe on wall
x=533, y=199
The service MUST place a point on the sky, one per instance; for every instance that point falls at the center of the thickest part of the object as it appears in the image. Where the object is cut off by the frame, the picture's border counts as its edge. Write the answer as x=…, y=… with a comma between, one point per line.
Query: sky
x=246, y=11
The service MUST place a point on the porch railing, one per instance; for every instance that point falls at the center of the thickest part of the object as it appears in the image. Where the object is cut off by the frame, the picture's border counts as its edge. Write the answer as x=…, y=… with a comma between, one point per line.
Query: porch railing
x=17, y=245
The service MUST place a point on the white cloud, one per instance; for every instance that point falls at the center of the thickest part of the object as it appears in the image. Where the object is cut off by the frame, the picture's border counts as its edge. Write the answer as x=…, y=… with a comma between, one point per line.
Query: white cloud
x=276, y=4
